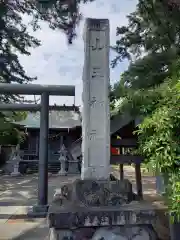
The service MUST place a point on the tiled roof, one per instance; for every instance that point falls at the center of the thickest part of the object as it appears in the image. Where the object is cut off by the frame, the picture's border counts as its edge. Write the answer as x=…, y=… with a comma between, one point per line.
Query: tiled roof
x=60, y=119
x=70, y=119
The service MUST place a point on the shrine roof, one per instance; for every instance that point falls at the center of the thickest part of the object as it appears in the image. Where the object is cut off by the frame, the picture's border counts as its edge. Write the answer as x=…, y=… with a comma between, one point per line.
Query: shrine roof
x=71, y=119
x=57, y=120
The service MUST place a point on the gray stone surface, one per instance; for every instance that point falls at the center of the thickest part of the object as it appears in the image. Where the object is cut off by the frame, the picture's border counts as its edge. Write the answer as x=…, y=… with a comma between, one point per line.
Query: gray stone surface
x=60, y=234
x=125, y=233
x=94, y=217
x=91, y=193
x=17, y=195
x=106, y=233
x=16, y=158
x=95, y=113
x=88, y=203
x=62, y=161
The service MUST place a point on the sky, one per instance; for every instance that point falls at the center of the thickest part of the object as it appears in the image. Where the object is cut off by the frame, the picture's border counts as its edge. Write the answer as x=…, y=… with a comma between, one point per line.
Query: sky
x=56, y=62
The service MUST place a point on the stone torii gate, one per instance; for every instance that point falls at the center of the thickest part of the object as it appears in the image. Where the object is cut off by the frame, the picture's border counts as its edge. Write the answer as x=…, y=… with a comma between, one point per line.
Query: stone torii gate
x=94, y=207
x=45, y=91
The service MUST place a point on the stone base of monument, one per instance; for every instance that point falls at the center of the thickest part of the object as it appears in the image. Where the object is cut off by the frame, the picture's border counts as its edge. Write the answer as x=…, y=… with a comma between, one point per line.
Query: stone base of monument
x=142, y=232
x=15, y=172
x=98, y=210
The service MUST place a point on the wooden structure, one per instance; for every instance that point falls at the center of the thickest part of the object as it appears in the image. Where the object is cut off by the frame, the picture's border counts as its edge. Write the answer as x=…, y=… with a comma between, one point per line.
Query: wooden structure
x=122, y=141
x=56, y=137
x=64, y=128
x=126, y=141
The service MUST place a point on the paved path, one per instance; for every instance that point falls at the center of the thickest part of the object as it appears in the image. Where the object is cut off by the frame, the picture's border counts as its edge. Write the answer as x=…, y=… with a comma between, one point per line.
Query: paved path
x=17, y=194
x=148, y=182
x=150, y=195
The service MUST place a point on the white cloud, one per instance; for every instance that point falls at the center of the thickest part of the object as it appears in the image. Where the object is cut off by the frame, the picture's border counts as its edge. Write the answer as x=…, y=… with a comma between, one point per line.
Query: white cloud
x=55, y=62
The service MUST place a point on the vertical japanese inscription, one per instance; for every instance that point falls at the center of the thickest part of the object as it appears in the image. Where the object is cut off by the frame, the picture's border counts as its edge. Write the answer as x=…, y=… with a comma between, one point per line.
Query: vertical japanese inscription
x=95, y=127
x=97, y=45
x=97, y=72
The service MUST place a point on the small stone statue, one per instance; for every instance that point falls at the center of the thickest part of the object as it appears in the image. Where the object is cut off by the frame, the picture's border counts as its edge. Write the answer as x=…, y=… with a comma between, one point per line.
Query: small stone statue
x=63, y=160
x=16, y=160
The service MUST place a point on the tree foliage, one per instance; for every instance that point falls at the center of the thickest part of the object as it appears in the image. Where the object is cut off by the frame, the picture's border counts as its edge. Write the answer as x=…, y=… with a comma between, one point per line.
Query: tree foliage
x=150, y=88
x=160, y=141
x=14, y=36
x=15, y=39
x=150, y=42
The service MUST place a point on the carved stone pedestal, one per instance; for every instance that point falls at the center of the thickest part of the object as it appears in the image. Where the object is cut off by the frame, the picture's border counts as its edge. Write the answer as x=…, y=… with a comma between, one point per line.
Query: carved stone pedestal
x=90, y=209
x=62, y=171
x=142, y=232
x=16, y=172
x=55, y=234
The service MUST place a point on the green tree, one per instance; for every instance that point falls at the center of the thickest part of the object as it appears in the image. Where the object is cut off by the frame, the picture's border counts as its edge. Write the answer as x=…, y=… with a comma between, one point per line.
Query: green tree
x=159, y=139
x=15, y=38
x=150, y=42
x=150, y=87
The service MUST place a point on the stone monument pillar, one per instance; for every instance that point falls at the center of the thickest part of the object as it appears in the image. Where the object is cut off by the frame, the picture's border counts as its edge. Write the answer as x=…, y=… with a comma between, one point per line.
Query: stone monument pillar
x=94, y=207
x=95, y=114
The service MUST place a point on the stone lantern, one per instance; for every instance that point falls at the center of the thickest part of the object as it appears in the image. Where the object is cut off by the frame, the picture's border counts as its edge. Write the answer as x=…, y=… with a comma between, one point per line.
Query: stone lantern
x=63, y=160
x=16, y=160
